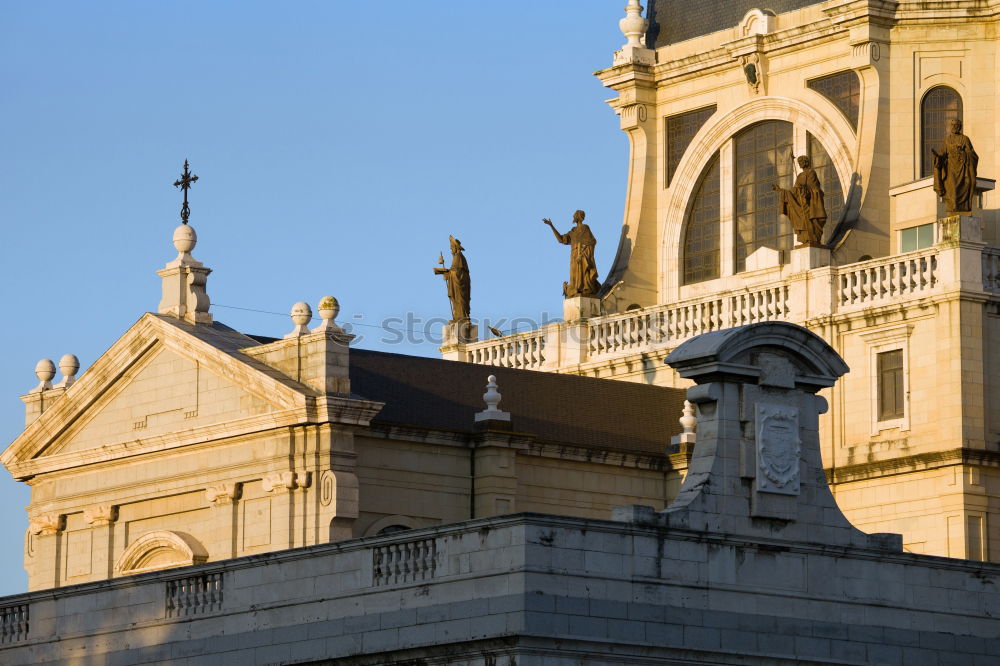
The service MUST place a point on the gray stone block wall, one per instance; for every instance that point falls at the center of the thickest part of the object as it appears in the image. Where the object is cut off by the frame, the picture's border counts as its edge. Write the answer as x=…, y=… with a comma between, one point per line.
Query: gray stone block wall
x=544, y=590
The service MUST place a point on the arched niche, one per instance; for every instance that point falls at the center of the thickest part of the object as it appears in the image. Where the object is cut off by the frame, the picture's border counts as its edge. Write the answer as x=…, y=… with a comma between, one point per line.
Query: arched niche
x=159, y=550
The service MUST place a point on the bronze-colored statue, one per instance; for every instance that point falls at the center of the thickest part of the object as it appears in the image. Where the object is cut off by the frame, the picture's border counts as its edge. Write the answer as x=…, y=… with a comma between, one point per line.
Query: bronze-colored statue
x=457, y=278
x=955, y=170
x=582, y=265
x=803, y=205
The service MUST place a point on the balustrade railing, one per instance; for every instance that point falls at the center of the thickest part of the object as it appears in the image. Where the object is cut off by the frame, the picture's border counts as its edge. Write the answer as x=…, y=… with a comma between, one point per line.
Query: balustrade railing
x=13, y=623
x=991, y=269
x=839, y=289
x=882, y=280
x=405, y=562
x=194, y=594
x=521, y=350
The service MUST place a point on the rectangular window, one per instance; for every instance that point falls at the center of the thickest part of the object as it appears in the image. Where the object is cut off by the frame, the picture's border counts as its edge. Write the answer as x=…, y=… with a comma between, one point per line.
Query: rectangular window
x=916, y=238
x=890, y=385
x=974, y=537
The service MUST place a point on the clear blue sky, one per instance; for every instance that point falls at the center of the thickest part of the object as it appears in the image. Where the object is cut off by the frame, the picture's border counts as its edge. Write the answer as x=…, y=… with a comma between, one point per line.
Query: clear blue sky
x=338, y=144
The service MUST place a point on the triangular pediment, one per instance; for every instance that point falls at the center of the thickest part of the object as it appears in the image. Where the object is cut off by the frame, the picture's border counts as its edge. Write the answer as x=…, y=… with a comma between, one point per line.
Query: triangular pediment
x=164, y=378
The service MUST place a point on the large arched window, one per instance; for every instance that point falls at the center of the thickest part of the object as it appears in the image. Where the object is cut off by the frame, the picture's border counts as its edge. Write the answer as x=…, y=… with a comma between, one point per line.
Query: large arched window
x=940, y=105
x=701, y=234
x=762, y=157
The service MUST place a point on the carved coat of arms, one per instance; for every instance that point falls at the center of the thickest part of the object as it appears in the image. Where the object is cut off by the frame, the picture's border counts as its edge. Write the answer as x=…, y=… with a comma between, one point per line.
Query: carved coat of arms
x=778, y=448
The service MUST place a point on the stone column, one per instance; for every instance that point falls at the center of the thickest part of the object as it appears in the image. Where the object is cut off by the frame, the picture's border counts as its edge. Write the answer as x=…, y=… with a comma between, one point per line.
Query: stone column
x=101, y=519
x=46, y=532
x=223, y=499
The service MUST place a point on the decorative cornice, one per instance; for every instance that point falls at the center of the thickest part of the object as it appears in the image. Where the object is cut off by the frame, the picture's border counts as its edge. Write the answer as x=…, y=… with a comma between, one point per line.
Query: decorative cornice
x=914, y=463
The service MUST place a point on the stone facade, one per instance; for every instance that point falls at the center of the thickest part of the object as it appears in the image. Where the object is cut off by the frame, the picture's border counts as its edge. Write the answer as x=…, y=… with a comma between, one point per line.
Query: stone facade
x=527, y=589
x=930, y=467
x=189, y=442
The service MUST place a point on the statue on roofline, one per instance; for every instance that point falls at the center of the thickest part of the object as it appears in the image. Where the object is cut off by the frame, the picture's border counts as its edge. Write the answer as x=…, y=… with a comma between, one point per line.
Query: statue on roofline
x=458, y=281
x=955, y=170
x=803, y=205
x=582, y=265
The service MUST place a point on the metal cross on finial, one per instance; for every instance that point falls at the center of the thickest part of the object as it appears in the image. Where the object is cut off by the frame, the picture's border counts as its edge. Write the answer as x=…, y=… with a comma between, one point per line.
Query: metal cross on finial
x=186, y=180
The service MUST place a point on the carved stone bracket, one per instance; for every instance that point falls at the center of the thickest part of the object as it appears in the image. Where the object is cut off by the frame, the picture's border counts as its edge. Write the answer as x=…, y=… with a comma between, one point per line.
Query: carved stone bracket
x=273, y=483
x=46, y=524
x=224, y=493
x=101, y=515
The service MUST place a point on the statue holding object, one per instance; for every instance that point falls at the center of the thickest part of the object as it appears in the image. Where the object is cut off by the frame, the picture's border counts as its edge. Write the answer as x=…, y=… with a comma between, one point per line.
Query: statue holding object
x=582, y=265
x=955, y=170
x=458, y=281
x=803, y=205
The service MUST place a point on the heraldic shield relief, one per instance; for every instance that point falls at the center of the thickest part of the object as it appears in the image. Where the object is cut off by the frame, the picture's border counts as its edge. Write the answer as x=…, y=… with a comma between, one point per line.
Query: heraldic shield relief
x=778, y=447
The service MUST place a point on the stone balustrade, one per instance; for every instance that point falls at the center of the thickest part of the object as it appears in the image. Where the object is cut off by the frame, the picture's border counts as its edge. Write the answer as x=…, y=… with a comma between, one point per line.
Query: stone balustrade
x=797, y=298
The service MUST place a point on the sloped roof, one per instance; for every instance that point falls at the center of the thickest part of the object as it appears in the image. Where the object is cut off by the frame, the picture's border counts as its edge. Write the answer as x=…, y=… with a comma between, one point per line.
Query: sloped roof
x=435, y=393
x=672, y=21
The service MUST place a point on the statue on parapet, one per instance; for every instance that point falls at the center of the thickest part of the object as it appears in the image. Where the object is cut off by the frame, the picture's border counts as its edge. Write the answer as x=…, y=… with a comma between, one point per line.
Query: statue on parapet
x=803, y=205
x=955, y=170
x=458, y=281
x=582, y=265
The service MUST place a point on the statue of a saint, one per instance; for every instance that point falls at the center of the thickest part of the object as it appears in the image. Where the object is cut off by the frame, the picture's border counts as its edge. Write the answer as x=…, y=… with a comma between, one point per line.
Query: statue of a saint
x=955, y=170
x=582, y=266
x=803, y=205
x=457, y=278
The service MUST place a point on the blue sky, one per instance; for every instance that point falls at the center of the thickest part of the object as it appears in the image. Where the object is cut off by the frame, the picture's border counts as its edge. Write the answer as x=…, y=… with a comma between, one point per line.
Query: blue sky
x=338, y=144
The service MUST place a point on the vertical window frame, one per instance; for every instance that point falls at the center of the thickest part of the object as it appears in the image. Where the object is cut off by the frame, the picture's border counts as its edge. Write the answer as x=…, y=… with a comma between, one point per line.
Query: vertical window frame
x=925, y=159
x=887, y=340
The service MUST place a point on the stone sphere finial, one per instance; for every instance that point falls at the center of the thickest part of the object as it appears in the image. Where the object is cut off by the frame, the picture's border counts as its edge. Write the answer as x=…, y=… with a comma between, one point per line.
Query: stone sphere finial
x=69, y=365
x=185, y=238
x=328, y=308
x=45, y=370
x=301, y=315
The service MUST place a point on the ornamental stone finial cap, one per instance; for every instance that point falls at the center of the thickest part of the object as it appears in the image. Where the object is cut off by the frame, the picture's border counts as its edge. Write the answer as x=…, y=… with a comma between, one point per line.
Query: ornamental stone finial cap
x=301, y=315
x=633, y=26
x=185, y=239
x=45, y=370
x=492, y=399
x=69, y=365
x=328, y=308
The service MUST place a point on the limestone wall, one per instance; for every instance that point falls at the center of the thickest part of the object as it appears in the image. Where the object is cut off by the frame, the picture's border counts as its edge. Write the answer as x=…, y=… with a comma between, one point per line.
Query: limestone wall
x=528, y=588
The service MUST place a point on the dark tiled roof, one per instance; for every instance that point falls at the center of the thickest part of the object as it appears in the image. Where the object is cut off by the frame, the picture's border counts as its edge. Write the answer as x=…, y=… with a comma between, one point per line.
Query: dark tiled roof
x=672, y=21
x=602, y=413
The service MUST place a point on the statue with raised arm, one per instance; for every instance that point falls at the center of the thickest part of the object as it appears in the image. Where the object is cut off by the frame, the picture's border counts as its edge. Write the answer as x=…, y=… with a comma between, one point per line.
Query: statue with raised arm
x=458, y=281
x=582, y=265
x=955, y=170
x=803, y=205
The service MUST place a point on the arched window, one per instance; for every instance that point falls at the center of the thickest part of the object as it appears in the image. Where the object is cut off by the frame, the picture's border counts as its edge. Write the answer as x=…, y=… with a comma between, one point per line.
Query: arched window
x=701, y=234
x=940, y=105
x=763, y=157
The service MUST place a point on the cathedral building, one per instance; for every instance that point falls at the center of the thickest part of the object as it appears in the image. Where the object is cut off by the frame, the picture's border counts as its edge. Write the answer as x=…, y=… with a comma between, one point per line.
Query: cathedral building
x=770, y=435
x=720, y=101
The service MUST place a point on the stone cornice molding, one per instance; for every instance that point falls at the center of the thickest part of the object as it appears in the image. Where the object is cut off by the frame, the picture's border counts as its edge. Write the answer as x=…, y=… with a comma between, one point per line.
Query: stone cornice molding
x=913, y=463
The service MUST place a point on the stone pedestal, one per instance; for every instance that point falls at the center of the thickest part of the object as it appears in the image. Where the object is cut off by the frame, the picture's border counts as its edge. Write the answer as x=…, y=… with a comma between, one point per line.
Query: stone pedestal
x=581, y=307
x=806, y=257
x=960, y=227
x=459, y=333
